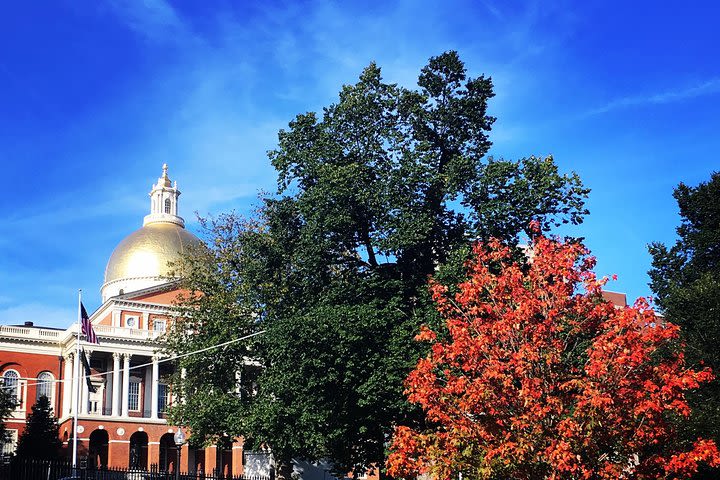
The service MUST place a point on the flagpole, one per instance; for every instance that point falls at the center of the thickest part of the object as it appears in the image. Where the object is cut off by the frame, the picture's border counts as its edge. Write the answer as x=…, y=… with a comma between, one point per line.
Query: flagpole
x=78, y=384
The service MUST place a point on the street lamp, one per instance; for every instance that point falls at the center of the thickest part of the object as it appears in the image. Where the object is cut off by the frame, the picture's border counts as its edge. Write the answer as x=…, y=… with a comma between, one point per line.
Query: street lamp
x=179, y=438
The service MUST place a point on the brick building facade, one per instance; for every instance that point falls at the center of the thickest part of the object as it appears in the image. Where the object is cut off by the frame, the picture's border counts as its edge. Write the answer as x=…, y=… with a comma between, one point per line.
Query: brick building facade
x=121, y=423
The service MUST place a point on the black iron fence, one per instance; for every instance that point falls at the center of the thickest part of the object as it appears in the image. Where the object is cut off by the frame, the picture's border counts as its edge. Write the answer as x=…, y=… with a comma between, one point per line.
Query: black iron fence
x=29, y=469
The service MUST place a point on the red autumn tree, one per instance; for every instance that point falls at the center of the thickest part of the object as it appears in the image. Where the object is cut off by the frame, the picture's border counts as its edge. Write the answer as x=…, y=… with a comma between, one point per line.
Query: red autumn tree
x=536, y=376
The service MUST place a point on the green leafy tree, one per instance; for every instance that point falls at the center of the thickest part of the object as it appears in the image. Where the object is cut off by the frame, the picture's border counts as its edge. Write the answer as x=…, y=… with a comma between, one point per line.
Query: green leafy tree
x=686, y=279
x=40, y=439
x=7, y=405
x=377, y=193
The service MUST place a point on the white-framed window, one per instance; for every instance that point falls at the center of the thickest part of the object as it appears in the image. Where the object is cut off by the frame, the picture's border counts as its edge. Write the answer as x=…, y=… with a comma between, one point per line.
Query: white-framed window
x=167, y=205
x=45, y=386
x=8, y=448
x=131, y=322
x=11, y=383
x=95, y=399
x=163, y=397
x=134, y=395
x=159, y=325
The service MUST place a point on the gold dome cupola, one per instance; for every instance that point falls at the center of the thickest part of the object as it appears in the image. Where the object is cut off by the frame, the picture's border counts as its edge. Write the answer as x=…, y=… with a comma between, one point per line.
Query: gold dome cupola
x=164, y=201
x=143, y=258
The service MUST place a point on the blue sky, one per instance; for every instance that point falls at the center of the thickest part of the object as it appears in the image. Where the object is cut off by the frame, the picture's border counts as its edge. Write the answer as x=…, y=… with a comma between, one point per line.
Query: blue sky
x=96, y=96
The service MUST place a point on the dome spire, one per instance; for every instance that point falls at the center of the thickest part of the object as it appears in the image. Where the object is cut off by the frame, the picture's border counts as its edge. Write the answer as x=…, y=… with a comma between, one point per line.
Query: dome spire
x=164, y=179
x=164, y=201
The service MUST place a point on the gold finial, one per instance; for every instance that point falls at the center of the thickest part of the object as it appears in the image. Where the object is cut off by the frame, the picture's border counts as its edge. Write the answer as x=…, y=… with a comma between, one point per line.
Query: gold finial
x=164, y=181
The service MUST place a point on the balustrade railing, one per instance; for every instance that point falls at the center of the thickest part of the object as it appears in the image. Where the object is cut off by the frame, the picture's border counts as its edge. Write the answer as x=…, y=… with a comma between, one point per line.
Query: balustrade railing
x=106, y=330
x=30, y=332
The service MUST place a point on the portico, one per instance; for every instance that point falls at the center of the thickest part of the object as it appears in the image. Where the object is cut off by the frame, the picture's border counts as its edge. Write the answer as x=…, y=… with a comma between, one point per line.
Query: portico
x=127, y=385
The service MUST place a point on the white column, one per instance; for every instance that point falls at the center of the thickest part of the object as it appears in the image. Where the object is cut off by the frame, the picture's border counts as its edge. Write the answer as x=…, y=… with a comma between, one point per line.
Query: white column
x=84, y=400
x=154, y=387
x=125, y=383
x=116, y=385
x=71, y=382
x=67, y=386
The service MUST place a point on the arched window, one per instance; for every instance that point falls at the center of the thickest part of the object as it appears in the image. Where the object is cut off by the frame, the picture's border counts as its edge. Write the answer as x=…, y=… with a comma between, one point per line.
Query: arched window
x=45, y=385
x=167, y=205
x=10, y=382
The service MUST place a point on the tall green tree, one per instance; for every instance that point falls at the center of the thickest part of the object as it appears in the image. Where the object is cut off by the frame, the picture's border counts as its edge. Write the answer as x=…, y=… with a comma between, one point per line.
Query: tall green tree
x=377, y=193
x=41, y=438
x=686, y=280
x=7, y=405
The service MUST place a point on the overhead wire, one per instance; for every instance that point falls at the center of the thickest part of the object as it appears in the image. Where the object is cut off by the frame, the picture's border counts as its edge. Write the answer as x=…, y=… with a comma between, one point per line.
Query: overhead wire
x=161, y=360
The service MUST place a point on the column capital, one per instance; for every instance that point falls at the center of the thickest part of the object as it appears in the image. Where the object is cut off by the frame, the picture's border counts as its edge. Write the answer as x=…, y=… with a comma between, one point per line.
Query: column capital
x=127, y=356
x=117, y=356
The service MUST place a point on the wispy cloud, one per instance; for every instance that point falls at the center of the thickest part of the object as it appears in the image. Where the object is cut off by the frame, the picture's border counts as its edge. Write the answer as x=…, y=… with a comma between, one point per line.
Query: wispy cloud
x=156, y=20
x=493, y=9
x=708, y=87
x=213, y=99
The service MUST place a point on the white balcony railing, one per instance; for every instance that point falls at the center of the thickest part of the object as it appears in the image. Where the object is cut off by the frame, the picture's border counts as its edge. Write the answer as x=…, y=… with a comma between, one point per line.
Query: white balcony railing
x=25, y=332
x=57, y=335
x=122, y=332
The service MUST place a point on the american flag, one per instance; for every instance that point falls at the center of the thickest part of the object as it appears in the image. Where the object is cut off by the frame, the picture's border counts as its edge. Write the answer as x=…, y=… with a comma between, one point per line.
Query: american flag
x=88, y=372
x=87, y=328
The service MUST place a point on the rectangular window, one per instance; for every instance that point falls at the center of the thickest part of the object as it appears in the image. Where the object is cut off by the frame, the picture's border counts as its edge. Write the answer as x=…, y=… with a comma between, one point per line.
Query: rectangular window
x=163, y=397
x=8, y=447
x=134, y=395
x=159, y=325
x=95, y=399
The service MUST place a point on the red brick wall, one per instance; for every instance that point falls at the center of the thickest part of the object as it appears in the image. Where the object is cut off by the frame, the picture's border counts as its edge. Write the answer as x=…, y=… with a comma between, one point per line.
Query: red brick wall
x=166, y=298
x=106, y=320
x=119, y=433
x=29, y=366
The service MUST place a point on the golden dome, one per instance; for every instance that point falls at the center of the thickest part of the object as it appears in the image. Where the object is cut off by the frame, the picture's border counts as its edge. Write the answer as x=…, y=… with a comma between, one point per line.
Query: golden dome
x=147, y=251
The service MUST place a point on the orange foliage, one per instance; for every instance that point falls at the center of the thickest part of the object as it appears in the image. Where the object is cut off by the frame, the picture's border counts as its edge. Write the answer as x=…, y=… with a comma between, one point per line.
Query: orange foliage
x=538, y=377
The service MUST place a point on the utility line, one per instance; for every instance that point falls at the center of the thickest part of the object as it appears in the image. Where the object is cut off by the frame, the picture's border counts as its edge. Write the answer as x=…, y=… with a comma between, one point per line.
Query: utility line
x=162, y=360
